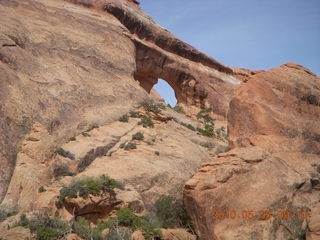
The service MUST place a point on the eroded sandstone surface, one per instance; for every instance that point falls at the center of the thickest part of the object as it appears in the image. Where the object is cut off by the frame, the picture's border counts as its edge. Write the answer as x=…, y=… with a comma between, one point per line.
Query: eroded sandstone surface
x=273, y=124
x=70, y=69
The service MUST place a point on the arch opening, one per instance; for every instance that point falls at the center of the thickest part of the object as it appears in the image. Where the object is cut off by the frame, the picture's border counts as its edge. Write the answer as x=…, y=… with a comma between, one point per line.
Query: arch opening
x=166, y=92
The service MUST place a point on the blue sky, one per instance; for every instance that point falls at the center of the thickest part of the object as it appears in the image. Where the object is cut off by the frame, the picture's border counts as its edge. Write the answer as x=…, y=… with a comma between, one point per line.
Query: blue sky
x=254, y=34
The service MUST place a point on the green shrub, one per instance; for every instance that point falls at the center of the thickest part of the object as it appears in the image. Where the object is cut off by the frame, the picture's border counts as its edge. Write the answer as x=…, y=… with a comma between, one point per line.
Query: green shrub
x=208, y=145
x=92, y=127
x=208, y=130
x=188, y=125
x=65, y=153
x=171, y=213
x=70, y=174
x=6, y=212
x=138, y=136
x=59, y=203
x=109, y=154
x=179, y=109
x=62, y=170
x=128, y=219
x=146, y=121
x=124, y=118
x=130, y=145
x=157, y=153
x=85, y=134
x=117, y=234
x=169, y=106
x=73, y=139
x=205, y=116
x=134, y=114
x=89, y=185
x=41, y=189
x=46, y=233
x=45, y=227
x=166, y=212
x=152, y=107
x=23, y=221
x=303, y=235
x=82, y=228
x=149, y=231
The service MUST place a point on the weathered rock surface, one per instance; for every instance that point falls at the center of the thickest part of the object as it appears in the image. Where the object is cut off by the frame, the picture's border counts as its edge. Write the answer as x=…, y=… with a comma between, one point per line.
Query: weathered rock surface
x=69, y=66
x=53, y=73
x=314, y=223
x=168, y=156
x=274, y=124
x=177, y=234
x=16, y=233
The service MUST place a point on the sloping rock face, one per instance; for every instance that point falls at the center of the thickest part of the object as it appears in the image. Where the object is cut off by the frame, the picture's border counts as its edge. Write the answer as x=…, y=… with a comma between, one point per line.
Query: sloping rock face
x=53, y=73
x=68, y=65
x=274, y=126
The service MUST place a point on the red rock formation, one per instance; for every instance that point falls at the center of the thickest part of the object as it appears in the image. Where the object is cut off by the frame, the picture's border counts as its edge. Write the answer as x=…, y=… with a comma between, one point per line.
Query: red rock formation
x=69, y=80
x=70, y=64
x=274, y=126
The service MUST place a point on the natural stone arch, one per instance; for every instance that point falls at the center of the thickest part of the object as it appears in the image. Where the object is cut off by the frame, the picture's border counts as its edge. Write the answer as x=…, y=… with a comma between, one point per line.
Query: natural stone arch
x=152, y=65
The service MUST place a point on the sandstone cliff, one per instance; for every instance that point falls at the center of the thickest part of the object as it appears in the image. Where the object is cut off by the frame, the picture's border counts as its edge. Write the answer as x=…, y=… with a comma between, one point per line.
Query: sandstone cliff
x=70, y=69
x=273, y=125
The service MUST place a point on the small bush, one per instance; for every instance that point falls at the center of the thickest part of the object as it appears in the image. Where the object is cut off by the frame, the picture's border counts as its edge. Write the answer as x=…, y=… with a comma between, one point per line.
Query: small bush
x=65, y=153
x=124, y=118
x=85, y=134
x=70, y=174
x=150, y=232
x=179, y=109
x=146, y=121
x=92, y=127
x=188, y=125
x=86, y=186
x=138, y=136
x=117, y=234
x=130, y=145
x=59, y=203
x=23, y=221
x=157, y=153
x=134, y=114
x=128, y=219
x=82, y=228
x=208, y=145
x=152, y=107
x=41, y=189
x=45, y=227
x=316, y=137
x=62, y=170
x=6, y=212
x=73, y=139
x=169, y=106
x=205, y=116
x=109, y=154
x=46, y=233
x=208, y=130
x=171, y=213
